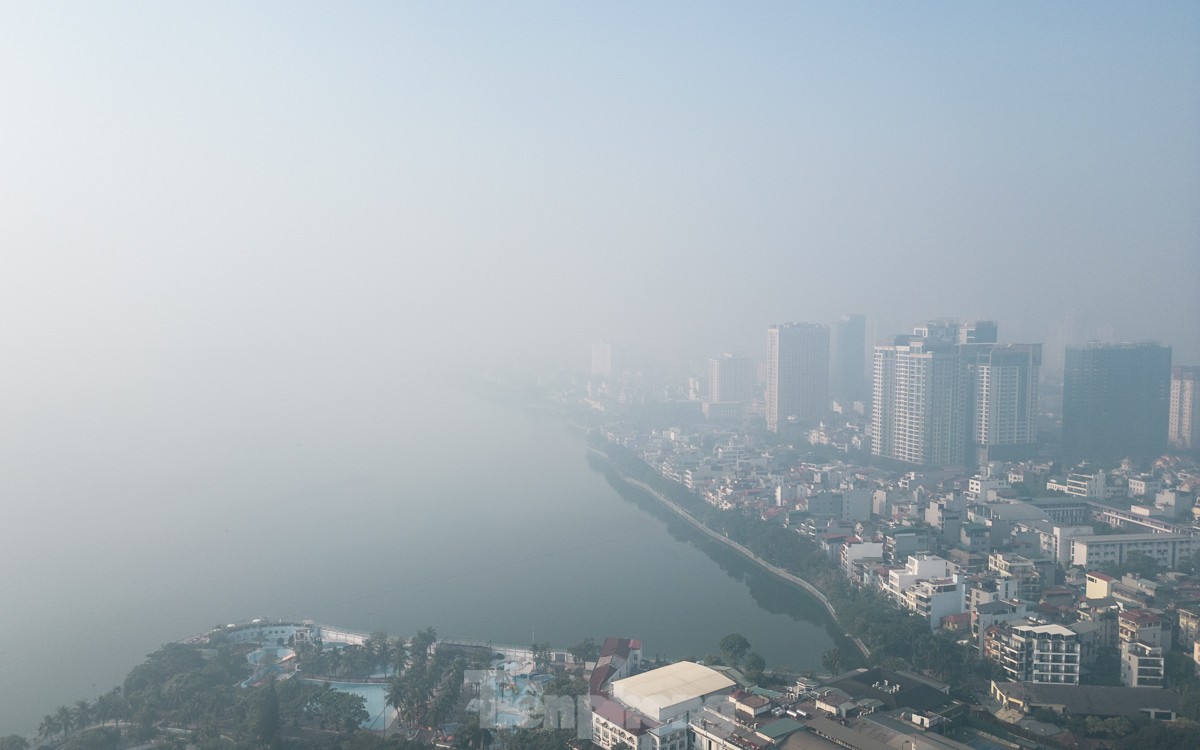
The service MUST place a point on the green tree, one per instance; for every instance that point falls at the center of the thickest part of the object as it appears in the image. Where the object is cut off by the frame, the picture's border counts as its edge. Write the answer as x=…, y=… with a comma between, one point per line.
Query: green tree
x=565, y=684
x=347, y=711
x=14, y=742
x=753, y=666
x=831, y=660
x=266, y=725
x=66, y=720
x=81, y=714
x=49, y=726
x=471, y=736
x=399, y=654
x=104, y=738
x=541, y=654
x=734, y=646
x=585, y=650
x=395, y=693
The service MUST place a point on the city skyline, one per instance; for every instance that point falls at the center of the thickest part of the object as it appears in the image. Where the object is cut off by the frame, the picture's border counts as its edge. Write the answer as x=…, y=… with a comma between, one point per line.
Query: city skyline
x=254, y=250
x=303, y=176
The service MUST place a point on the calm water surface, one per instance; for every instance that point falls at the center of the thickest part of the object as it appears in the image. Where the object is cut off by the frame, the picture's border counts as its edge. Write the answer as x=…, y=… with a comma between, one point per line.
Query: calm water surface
x=128, y=528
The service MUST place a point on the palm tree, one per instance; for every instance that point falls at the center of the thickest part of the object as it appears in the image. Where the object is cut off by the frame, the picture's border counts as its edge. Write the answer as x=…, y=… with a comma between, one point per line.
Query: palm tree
x=65, y=719
x=49, y=726
x=379, y=646
x=82, y=715
x=121, y=709
x=471, y=736
x=399, y=653
x=104, y=708
x=395, y=693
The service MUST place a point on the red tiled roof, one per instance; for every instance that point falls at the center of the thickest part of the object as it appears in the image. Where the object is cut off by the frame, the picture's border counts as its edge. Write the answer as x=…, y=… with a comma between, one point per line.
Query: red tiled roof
x=1140, y=616
x=629, y=720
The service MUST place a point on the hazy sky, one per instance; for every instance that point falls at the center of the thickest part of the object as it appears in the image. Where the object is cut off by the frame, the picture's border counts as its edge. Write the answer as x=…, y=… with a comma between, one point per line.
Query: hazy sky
x=254, y=188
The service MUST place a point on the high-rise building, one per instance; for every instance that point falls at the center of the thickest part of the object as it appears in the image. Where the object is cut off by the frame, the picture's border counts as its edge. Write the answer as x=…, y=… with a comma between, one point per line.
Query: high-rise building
x=797, y=374
x=949, y=395
x=731, y=379
x=953, y=331
x=608, y=360
x=602, y=359
x=978, y=332
x=919, y=409
x=1116, y=401
x=1183, y=425
x=1005, y=380
x=847, y=359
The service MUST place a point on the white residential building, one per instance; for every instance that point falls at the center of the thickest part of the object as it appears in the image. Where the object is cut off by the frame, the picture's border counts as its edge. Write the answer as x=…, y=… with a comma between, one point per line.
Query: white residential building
x=1142, y=664
x=1183, y=424
x=918, y=568
x=936, y=598
x=1169, y=550
x=1034, y=652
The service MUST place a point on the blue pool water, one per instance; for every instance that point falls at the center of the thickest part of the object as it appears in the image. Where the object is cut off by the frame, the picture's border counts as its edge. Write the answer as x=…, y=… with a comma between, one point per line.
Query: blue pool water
x=376, y=695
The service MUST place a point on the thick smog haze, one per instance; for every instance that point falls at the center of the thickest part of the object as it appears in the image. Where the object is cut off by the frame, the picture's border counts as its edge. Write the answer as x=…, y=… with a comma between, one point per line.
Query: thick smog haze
x=252, y=185
x=232, y=232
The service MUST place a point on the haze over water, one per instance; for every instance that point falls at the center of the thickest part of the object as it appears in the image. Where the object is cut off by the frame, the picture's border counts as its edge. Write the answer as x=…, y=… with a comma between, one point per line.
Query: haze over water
x=232, y=231
x=422, y=506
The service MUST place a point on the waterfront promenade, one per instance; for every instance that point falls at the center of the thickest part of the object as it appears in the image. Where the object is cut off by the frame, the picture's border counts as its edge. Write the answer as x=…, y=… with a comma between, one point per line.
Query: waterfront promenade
x=741, y=550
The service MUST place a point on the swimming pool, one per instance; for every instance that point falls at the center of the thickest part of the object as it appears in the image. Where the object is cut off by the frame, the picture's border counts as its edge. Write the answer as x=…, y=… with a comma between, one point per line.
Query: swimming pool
x=378, y=710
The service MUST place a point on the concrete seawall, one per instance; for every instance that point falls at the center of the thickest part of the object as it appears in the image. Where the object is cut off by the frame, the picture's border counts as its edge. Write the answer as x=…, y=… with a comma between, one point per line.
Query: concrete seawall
x=741, y=550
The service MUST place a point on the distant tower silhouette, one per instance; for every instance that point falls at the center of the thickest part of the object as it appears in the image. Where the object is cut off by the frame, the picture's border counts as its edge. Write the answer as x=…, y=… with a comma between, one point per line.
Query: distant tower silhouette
x=797, y=374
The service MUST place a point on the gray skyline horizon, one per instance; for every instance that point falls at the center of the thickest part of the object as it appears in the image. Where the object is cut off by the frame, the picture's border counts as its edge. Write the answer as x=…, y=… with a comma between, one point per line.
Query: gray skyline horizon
x=278, y=183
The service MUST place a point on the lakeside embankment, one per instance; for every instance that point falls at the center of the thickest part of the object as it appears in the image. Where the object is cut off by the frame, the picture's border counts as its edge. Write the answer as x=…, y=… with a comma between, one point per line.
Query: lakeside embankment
x=741, y=550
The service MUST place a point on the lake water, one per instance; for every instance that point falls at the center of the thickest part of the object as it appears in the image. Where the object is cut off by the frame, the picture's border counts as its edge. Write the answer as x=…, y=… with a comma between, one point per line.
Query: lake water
x=377, y=507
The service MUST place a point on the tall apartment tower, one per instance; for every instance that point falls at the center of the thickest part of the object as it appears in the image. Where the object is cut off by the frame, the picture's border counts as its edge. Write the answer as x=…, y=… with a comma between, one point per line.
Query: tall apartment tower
x=1183, y=425
x=949, y=395
x=731, y=379
x=1116, y=401
x=919, y=409
x=978, y=332
x=797, y=374
x=847, y=359
x=1004, y=379
x=608, y=360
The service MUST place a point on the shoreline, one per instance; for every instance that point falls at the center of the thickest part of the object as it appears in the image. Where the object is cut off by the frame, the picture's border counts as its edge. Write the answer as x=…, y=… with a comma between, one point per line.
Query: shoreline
x=741, y=550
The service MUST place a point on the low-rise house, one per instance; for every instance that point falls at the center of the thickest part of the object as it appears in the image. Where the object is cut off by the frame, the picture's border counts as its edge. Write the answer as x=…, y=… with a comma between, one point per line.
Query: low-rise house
x=619, y=658
x=1142, y=665
x=1087, y=700
x=935, y=599
x=1142, y=625
x=1189, y=624
x=992, y=613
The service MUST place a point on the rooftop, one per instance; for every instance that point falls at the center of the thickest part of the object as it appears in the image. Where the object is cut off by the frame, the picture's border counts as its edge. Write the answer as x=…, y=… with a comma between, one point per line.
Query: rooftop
x=1131, y=538
x=991, y=608
x=1141, y=617
x=1093, y=700
x=777, y=730
x=1048, y=629
x=667, y=686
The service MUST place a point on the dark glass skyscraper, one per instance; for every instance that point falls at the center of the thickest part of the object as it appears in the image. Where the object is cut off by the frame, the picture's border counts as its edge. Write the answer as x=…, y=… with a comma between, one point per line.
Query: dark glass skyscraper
x=848, y=360
x=1116, y=400
x=797, y=374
